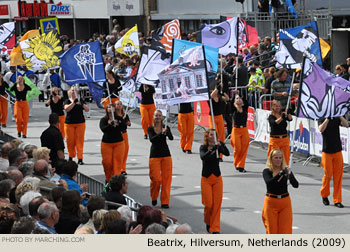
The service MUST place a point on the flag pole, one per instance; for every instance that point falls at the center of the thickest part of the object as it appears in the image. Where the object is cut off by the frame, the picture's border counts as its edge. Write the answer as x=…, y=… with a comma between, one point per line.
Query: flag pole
x=210, y=102
x=9, y=100
x=110, y=102
x=295, y=126
x=290, y=92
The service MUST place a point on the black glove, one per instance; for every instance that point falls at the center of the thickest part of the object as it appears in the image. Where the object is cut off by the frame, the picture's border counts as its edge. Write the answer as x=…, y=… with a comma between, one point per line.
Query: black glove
x=82, y=101
x=284, y=116
x=284, y=172
x=290, y=111
x=46, y=105
x=215, y=147
x=54, y=94
x=76, y=100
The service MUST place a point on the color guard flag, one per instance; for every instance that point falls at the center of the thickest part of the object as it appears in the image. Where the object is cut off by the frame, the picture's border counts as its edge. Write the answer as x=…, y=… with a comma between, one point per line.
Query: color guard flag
x=295, y=42
x=222, y=36
x=31, y=94
x=322, y=95
x=7, y=37
x=16, y=57
x=83, y=64
x=185, y=80
x=151, y=64
x=325, y=48
x=96, y=91
x=42, y=52
x=162, y=39
x=129, y=44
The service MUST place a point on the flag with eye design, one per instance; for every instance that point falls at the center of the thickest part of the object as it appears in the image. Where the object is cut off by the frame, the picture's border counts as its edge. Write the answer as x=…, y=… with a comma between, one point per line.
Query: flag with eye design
x=222, y=36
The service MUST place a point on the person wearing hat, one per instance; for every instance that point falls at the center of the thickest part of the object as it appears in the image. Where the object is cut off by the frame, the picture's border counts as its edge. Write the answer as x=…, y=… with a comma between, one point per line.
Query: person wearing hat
x=253, y=86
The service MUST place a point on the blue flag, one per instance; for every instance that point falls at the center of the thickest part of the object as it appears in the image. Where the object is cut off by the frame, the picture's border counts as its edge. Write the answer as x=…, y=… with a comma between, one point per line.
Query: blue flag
x=96, y=92
x=211, y=53
x=83, y=64
x=295, y=42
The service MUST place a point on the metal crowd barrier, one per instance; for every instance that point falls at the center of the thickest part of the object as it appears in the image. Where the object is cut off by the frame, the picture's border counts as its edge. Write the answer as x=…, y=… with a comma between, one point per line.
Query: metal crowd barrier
x=262, y=99
x=95, y=186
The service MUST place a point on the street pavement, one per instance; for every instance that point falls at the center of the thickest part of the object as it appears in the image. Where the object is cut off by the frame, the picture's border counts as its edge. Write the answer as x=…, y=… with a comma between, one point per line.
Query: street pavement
x=243, y=195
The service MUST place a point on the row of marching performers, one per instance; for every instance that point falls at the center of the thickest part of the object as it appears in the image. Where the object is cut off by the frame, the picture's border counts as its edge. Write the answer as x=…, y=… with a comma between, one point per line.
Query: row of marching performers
x=276, y=175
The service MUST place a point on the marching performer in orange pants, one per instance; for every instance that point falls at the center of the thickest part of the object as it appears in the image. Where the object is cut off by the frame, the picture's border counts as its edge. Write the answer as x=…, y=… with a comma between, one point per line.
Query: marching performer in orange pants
x=112, y=145
x=114, y=86
x=218, y=98
x=240, y=135
x=185, y=125
x=74, y=126
x=211, y=182
x=332, y=158
x=3, y=102
x=277, y=211
x=278, y=135
x=56, y=105
x=124, y=122
x=147, y=107
x=21, y=108
x=160, y=162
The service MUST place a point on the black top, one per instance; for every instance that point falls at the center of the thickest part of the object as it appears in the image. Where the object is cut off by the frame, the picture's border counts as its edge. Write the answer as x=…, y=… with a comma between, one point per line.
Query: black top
x=159, y=147
x=3, y=88
x=113, y=88
x=185, y=108
x=52, y=139
x=111, y=134
x=277, y=129
x=76, y=114
x=147, y=96
x=67, y=223
x=57, y=107
x=21, y=95
x=217, y=106
x=115, y=197
x=274, y=186
x=210, y=161
x=268, y=84
x=239, y=118
x=123, y=122
x=331, y=135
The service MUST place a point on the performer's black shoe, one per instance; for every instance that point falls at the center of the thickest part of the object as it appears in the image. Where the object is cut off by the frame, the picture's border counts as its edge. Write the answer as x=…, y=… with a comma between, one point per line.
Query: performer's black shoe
x=183, y=150
x=24, y=136
x=154, y=202
x=145, y=137
x=325, y=201
x=19, y=134
x=189, y=152
x=241, y=170
x=70, y=159
x=165, y=206
x=220, y=160
x=339, y=205
x=80, y=162
x=124, y=173
x=216, y=232
x=208, y=227
x=4, y=125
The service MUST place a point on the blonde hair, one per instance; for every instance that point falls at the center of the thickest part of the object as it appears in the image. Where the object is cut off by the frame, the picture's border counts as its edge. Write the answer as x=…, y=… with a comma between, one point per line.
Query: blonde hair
x=97, y=217
x=269, y=163
x=41, y=153
x=84, y=230
x=108, y=217
x=22, y=188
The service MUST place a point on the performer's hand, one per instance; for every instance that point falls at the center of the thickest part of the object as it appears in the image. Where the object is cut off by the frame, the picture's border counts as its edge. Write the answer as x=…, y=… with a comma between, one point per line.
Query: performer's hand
x=54, y=94
x=76, y=100
x=164, y=130
x=284, y=93
x=284, y=115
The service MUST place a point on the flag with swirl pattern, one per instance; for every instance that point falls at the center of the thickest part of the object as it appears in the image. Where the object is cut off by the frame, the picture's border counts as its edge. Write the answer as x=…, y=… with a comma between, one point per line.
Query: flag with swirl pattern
x=322, y=94
x=162, y=38
x=7, y=37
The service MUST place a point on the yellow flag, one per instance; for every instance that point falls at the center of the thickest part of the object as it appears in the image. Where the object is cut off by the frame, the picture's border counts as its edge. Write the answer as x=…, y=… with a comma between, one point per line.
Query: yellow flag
x=325, y=48
x=129, y=43
x=16, y=58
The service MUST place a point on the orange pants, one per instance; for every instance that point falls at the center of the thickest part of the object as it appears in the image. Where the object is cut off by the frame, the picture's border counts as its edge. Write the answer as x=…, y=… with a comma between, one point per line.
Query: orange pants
x=62, y=119
x=75, y=139
x=277, y=215
x=21, y=111
x=147, y=111
x=3, y=110
x=126, y=150
x=219, y=127
x=112, y=158
x=332, y=164
x=282, y=144
x=240, y=143
x=113, y=100
x=185, y=125
x=160, y=173
x=212, y=189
